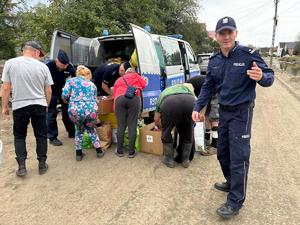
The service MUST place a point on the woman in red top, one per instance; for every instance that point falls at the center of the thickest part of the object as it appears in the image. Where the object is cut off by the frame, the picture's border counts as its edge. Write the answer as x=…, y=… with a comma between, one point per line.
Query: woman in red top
x=127, y=109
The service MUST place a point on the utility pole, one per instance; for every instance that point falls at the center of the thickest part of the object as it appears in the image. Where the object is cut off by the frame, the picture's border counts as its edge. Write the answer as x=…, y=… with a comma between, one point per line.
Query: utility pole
x=274, y=30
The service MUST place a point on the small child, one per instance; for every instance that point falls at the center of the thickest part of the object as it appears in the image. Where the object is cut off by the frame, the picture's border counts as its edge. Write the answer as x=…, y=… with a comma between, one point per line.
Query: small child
x=81, y=94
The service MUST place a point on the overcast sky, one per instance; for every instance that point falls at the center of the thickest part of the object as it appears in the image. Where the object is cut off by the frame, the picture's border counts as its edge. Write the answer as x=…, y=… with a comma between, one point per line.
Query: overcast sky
x=254, y=19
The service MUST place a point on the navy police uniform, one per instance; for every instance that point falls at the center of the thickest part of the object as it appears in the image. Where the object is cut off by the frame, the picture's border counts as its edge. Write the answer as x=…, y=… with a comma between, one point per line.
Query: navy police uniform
x=59, y=79
x=236, y=95
x=107, y=73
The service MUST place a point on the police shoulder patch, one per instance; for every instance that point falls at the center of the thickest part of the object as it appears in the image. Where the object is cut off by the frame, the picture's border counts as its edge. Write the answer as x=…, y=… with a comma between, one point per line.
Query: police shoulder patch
x=247, y=49
x=214, y=54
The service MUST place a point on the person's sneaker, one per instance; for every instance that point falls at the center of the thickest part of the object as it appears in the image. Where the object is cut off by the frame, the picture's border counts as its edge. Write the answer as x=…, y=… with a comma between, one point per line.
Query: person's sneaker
x=132, y=154
x=226, y=211
x=224, y=186
x=100, y=152
x=119, y=152
x=43, y=167
x=56, y=142
x=208, y=151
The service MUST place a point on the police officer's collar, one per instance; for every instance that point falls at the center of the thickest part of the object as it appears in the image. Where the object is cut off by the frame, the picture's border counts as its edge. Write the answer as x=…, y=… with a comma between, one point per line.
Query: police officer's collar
x=231, y=50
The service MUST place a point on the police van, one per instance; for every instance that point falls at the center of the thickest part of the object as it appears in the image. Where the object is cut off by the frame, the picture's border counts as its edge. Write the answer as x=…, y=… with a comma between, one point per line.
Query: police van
x=162, y=60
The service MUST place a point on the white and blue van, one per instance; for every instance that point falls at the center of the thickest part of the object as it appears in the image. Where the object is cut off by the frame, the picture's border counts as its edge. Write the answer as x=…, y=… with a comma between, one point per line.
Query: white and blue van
x=163, y=60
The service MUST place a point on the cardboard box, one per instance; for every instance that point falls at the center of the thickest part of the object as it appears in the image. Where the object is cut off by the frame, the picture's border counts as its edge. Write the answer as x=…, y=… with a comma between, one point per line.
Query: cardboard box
x=151, y=140
x=105, y=105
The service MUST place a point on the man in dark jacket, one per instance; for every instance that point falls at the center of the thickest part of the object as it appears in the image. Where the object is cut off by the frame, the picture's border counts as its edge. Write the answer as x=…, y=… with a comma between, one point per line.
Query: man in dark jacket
x=234, y=72
x=106, y=75
x=60, y=70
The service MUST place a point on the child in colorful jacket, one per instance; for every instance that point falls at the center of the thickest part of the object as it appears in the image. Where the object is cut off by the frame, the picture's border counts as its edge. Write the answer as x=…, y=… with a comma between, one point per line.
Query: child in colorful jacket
x=81, y=94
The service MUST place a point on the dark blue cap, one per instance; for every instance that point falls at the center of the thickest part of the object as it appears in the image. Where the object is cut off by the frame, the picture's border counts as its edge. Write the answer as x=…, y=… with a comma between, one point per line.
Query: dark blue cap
x=126, y=65
x=225, y=23
x=63, y=57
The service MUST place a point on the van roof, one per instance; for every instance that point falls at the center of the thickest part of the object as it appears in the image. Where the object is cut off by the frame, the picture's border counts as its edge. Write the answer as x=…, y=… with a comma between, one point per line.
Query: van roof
x=116, y=37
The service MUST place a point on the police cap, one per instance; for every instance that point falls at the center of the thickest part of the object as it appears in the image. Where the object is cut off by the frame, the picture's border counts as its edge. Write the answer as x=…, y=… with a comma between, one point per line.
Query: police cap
x=225, y=23
x=63, y=57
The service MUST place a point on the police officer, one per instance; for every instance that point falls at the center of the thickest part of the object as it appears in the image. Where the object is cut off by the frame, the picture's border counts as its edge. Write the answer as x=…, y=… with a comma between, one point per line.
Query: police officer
x=60, y=70
x=106, y=75
x=234, y=71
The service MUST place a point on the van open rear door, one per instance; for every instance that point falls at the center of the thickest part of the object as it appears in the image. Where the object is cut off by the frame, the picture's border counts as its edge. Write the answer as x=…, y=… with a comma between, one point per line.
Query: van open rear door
x=148, y=66
x=77, y=48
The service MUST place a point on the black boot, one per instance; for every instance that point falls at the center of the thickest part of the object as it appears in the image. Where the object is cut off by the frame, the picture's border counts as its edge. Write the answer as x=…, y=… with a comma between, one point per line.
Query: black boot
x=100, y=152
x=224, y=186
x=79, y=154
x=43, y=166
x=21, y=172
x=169, y=154
x=186, y=151
x=226, y=211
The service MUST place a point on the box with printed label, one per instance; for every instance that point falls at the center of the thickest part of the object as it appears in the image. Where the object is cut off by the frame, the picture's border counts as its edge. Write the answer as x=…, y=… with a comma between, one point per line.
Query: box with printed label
x=151, y=140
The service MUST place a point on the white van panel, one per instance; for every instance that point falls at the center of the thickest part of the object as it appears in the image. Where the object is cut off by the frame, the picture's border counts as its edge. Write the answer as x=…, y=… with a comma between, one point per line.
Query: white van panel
x=147, y=58
x=61, y=40
x=148, y=65
x=77, y=48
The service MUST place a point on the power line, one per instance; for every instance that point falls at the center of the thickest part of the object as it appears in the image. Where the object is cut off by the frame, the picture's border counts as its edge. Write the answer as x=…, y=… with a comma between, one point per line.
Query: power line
x=286, y=10
x=242, y=10
x=256, y=10
x=245, y=9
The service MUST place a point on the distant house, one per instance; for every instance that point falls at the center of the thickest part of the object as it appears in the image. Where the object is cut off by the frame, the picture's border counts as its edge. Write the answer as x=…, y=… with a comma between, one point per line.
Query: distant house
x=285, y=48
x=264, y=50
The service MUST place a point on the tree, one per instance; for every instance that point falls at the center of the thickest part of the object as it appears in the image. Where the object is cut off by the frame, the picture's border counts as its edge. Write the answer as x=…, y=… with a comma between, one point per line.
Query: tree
x=7, y=29
x=89, y=18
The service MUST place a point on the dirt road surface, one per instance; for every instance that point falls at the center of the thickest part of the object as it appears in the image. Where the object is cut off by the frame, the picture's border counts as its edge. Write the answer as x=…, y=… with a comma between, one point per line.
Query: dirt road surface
x=117, y=191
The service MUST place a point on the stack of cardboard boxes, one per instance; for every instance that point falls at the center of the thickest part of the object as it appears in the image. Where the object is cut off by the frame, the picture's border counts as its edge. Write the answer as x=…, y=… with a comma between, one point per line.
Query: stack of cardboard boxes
x=150, y=136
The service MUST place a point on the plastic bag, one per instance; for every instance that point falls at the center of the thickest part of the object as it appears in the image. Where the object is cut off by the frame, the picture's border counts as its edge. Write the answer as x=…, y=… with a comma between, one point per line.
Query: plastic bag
x=105, y=134
x=86, y=143
x=137, y=140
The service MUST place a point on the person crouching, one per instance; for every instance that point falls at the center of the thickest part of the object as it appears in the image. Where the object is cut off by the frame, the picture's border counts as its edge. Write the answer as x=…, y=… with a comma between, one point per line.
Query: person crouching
x=81, y=94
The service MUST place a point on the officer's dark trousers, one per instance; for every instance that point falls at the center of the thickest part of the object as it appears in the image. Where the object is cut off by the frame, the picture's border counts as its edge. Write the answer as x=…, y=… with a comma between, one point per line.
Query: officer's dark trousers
x=176, y=111
x=233, y=148
x=52, y=115
x=37, y=114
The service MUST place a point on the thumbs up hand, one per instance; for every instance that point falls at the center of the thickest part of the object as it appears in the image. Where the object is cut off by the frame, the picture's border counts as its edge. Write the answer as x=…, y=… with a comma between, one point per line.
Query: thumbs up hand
x=255, y=73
